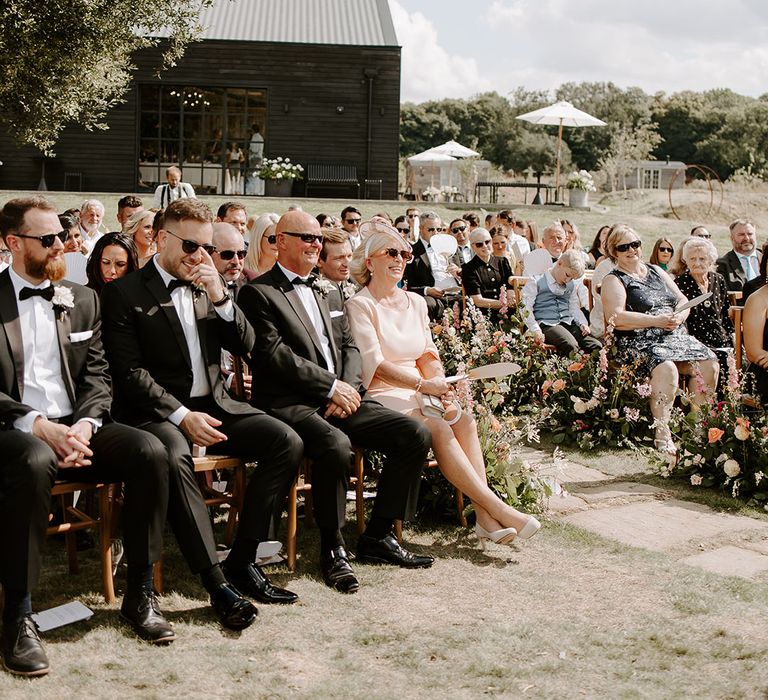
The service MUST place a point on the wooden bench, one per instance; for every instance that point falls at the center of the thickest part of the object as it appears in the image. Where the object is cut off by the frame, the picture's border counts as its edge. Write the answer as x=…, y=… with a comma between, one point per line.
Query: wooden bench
x=331, y=175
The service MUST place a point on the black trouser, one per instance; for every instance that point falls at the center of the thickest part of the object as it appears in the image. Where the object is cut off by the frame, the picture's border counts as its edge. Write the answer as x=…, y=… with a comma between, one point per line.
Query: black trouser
x=253, y=437
x=567, y=338
x=28, y=469
x=405, y=442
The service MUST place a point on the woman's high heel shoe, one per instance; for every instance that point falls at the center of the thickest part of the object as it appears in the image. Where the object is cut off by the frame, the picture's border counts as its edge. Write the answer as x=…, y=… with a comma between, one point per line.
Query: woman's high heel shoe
x=529, y=529
x=504, y=536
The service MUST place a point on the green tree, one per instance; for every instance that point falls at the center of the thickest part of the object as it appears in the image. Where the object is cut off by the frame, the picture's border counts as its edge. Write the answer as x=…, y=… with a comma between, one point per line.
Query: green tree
x=629, y=146
x=422, y=128
x=70, y=61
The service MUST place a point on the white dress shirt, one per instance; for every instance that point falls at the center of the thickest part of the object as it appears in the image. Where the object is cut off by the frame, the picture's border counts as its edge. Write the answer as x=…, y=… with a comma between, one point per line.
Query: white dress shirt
x=183, y=302
x=439, y=266
x=529, y=297
x=519, y=245
x=43, y=389
x=466, y=252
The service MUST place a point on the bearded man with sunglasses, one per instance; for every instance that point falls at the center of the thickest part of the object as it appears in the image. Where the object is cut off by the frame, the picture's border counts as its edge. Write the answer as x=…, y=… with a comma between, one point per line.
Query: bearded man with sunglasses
x=55, y=423
x=229, y=256
x=307, y=370
x=164, y=329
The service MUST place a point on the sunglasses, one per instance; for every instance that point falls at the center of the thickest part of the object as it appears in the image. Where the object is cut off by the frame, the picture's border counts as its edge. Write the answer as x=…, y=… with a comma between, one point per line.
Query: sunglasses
x=190, y=247
x=403, y=229
x=406, y=255
x=438, y=229
x=482, y=244
x=666, y=250
x=704, y=235
x=306, y=237
x=353, y=221
x=458, y=229
x=229, y=254
x=272, y=238
x=624, y=247
x=47, y=240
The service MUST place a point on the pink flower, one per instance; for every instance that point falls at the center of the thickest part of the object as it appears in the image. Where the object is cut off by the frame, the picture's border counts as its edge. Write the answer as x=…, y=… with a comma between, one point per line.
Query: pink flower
x=643, y=390
x=714, y=434
x=558, y=385
x=696, y=479
x=504, y=301
x=632, y=414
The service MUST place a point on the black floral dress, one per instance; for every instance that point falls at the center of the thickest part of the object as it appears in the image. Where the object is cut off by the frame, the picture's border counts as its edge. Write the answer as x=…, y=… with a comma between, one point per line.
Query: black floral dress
x=650, y=347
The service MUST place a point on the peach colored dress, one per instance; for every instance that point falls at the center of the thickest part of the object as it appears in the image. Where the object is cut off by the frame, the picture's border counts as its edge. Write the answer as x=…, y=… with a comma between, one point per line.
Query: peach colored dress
x=399, y=336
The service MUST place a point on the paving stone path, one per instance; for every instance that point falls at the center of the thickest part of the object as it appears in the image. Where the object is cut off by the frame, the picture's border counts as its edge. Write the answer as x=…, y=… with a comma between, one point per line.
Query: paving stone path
x=651, y=518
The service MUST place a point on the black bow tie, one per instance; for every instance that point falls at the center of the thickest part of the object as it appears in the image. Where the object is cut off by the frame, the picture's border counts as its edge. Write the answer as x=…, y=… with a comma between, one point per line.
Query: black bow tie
x=308, y=282
x=175, y=284
x=27, y=292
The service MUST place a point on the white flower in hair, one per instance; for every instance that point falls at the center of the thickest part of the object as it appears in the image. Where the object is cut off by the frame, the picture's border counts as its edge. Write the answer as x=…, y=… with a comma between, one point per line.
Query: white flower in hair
x=63, y=298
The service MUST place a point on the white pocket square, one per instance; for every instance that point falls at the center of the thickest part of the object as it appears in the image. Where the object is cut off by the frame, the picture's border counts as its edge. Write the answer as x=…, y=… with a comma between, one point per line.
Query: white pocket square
x=336, y=314
x=79, y=337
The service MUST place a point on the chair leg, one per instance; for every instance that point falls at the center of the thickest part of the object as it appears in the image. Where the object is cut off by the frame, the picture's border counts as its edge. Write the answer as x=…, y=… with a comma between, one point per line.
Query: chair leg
x=105, y=543
x=292, y=518
x=399, y=531
x=70, y=538
x=359, y=502
x=460, y=508
x=239, y=478
x=157, y=575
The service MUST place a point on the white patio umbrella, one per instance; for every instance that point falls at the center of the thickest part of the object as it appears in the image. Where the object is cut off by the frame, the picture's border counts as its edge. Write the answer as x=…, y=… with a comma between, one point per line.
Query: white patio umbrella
x=560, y=114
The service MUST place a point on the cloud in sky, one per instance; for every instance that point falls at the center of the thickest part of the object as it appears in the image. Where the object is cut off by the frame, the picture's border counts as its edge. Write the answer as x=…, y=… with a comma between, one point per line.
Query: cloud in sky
x=539, y=44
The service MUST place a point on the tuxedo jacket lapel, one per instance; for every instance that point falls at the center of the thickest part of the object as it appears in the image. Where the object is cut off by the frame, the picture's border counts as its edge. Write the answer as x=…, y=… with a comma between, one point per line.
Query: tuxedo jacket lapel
x=156, y=287
x=9, y=313
x=322, y=304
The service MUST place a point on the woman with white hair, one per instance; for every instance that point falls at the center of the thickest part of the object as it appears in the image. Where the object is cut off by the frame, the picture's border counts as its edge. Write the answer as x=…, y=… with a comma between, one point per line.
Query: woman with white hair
x=262, y=245
x=708, y=322
x=402, y=370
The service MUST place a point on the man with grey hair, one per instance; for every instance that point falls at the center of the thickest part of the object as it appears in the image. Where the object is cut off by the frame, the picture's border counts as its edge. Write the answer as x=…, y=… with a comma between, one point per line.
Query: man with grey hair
x=551, y=302
x=542, y=259
x=91, y=216
x=742, y=263
x=430, y=274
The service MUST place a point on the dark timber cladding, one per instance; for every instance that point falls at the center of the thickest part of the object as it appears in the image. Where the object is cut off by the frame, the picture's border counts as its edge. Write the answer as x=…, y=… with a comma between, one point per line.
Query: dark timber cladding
x=321, y=98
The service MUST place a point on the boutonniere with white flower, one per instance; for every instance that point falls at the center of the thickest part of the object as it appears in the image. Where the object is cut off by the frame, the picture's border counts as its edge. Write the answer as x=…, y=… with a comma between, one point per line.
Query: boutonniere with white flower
x=63, y=299
x=323, y=286
x=348, y=289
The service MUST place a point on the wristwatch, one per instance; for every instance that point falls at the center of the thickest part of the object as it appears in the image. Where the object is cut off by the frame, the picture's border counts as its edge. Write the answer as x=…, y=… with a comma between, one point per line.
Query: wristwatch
x=223, y=300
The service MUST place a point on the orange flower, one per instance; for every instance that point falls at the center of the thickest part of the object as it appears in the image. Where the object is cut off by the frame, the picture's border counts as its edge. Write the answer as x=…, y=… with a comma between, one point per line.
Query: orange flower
x=491, y=350
x=714, y=435
x=558, y=385
x=575, y=366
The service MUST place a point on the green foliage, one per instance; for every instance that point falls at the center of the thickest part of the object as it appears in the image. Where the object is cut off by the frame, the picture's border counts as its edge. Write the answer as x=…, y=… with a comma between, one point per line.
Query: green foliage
x=70, y=62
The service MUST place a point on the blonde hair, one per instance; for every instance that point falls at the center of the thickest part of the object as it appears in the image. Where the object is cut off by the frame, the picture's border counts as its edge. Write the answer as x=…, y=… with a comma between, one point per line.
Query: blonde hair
x=382, y=236
x=134, y=222
x=259, y=229
x=616, y=233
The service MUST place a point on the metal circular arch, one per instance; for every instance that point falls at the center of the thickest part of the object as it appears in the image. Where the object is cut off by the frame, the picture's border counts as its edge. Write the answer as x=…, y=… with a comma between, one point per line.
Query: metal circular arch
x=708, y=174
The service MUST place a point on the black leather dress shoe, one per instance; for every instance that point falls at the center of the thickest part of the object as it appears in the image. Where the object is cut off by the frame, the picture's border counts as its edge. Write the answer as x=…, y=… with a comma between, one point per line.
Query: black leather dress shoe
x=337, y=573
x=254, y=583
x=234, y=611
x=23, y=652
x=387, y=550
x=142, y=611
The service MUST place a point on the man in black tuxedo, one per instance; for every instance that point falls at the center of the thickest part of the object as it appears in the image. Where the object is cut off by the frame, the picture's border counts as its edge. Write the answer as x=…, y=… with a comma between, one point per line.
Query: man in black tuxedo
x=428, y=274
x=55, y=422
x=306, y=371
x=742, y=263
x=164, y=328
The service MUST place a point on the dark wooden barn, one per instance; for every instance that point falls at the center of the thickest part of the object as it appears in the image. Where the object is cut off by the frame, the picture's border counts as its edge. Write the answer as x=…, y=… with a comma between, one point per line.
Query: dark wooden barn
x=319, y=78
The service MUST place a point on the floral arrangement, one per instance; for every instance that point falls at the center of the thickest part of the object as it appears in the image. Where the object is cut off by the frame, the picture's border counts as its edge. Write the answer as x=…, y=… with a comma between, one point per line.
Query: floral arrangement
x=580, y=180
x=280, y=169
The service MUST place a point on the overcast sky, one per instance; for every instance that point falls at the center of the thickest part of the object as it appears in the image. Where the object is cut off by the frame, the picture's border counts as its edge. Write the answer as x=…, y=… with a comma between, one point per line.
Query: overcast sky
x=458, y=48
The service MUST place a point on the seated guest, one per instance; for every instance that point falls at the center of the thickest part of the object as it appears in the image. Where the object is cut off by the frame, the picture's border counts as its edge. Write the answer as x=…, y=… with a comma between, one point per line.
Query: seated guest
x=485, y=275
x=640, y=301
x=662, y=253
x=538, y=261
x=459, y=229
x=139, y=228
x=597, y=252
x=175, y=189
x=708, y=322
x=700, y=232
x=234, y=213
x=400, y=362
x=164, y=329
x=262, y=249
x=490, y=221
x=573, y=239
x=517, y=244
x=472, y=219
x=754, y=284
x=596, y=317
x=350, y=222
x=402, y=225
x=113, y=257
x=499, y=244
x=229, y=256
x=552, y=304
x=430, y=273
x=56, y=420
x=307, y=370
x=327, y=221
x=756, y=340
x=126, y=206
x=333, y=265
x=71, y=224
x=742, y=263
x=91, y=217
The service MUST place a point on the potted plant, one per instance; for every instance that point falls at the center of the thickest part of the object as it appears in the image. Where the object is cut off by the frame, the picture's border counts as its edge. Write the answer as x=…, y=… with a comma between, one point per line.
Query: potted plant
x=279, y=174
x=579, y=185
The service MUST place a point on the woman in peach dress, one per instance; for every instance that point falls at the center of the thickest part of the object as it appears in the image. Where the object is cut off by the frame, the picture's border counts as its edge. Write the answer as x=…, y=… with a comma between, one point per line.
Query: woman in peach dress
x=400, y=361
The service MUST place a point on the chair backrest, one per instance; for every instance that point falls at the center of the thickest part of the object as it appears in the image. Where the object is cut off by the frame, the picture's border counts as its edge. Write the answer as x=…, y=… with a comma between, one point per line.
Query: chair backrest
x=736, y=313
x=331, y=172
x=238, y=385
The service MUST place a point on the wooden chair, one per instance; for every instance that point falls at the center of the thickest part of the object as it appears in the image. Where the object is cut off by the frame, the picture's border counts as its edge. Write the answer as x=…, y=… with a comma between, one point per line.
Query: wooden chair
x=75, y=519
x=518, y=282
x=736, y=313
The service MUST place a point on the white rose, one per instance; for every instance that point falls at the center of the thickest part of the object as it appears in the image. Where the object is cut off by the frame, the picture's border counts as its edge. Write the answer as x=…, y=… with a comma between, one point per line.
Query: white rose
x=731, y=468
x=741, y=432
x=580, y=407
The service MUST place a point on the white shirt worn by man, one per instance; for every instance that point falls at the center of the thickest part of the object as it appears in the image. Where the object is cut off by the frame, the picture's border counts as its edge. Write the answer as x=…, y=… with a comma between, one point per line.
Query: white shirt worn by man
x=165, y=194
x=439, y=265
x=531, y=290
x=519, y=245
x=184, y=303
